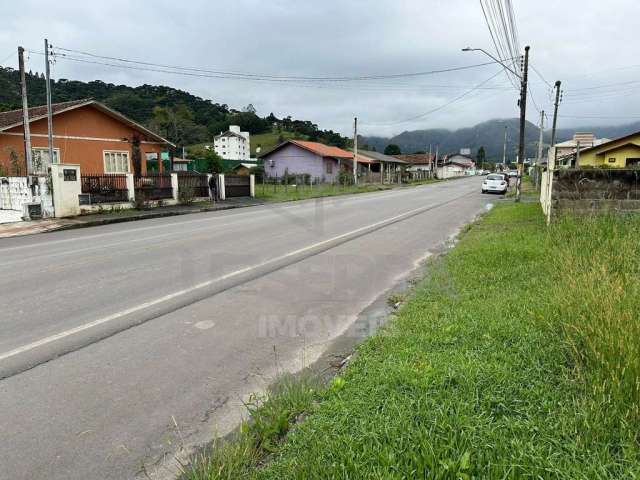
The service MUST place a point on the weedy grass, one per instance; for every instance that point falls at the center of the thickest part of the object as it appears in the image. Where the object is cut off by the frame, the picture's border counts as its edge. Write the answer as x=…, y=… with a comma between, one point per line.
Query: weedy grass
x=516, y=357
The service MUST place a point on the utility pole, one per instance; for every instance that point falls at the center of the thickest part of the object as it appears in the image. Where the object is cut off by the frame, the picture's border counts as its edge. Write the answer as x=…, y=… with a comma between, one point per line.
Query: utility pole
x=355, y=150
x=552, y=162
x=540, y=138
x=523, y=113
x=49, y=113
x=437, y=151
x=504, y=149
x=25, y=112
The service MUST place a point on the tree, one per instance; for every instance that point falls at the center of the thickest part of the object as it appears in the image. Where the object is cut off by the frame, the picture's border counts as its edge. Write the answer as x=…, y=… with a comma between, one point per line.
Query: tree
x=481, y=156
x=212, y=163
x=392, y=149
x=250, y=109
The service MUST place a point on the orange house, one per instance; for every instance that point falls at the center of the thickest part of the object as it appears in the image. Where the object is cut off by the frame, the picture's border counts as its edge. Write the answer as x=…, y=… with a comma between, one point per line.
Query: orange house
x=85, y=132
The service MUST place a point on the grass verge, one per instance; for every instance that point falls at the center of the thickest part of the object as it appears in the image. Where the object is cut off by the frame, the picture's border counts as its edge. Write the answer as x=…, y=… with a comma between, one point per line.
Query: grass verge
x=282, y=193
x=517, y=356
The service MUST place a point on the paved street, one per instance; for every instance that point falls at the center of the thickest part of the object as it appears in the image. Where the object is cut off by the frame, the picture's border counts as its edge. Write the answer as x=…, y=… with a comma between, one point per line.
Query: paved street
x=121, y=344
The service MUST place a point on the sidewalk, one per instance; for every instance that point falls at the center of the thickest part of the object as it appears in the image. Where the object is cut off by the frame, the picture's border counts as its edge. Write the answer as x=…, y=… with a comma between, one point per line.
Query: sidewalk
x=16, y=229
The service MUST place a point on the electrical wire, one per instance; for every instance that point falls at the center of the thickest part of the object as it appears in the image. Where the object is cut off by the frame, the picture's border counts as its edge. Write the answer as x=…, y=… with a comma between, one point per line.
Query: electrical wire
x=7, y=57
x=422, y=115
x=211, y=73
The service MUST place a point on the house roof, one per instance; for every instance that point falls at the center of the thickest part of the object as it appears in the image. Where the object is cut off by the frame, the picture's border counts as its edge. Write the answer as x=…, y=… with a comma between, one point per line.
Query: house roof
x=229, y=133
x=13, y=118
x=315, y=147
x=380, y=157
x=611, y=143
x=417, y=158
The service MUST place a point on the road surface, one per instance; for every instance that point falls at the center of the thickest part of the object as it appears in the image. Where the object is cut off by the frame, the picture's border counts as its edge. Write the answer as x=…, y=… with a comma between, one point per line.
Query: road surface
x=122, y=344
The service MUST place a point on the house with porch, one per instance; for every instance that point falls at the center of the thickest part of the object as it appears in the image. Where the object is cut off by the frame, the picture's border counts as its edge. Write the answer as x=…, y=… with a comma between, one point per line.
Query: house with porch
x=85, y=132
x=456, y=165
x=321, y=162
x=623, y=152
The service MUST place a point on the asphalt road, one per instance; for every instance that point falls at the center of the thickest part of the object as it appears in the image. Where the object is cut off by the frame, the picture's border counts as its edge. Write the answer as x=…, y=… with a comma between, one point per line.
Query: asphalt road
x=121, y=345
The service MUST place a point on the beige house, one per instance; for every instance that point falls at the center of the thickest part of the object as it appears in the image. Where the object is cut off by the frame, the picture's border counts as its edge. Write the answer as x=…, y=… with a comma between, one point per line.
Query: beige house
x=564, y=152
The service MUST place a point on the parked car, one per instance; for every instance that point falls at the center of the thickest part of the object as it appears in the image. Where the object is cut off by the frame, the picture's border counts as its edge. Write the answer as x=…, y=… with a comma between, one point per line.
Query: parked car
x=513, y=173
x=495, y=182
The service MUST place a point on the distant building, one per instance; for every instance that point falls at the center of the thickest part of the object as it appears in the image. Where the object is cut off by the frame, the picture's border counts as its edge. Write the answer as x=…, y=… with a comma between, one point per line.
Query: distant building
x=233, y=144
x=456, y=165
x=297, y=157
x=564, y=152
x=418, y=161
x=623, y=152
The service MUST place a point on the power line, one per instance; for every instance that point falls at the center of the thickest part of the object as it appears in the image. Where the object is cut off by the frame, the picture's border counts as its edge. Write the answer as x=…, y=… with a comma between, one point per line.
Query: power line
x=7, y=57
x=211, y=73
x=540, y=75
x=602, y=116
x=475, y=88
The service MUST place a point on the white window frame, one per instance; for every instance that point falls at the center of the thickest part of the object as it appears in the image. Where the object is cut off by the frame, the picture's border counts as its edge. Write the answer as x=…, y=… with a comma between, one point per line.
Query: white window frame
x=122, y=152
x=43, y=150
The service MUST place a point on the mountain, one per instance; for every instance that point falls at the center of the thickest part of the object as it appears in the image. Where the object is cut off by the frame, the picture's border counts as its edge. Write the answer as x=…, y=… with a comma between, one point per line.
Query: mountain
x=179, y=116
x=489, y=134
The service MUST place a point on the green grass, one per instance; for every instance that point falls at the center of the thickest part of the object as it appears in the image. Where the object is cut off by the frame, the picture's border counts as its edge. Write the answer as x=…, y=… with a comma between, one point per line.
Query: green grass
x=270, y=139
x=282, y=193
x=516, y=357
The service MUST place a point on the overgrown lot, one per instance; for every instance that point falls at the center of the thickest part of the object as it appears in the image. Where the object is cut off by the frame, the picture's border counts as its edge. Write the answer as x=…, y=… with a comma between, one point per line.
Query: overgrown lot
x=518, y=356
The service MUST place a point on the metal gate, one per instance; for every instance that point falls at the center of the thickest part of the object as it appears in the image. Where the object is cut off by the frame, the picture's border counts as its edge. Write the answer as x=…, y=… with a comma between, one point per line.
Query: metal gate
x=237, y=186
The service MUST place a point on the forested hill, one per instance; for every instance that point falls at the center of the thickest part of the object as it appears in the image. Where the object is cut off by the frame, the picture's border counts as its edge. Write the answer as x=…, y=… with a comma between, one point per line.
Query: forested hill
x=178, y=115
x=490, y=135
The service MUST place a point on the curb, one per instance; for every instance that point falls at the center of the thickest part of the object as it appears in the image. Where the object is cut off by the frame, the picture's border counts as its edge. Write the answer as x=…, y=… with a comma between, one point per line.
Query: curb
x=133, y=218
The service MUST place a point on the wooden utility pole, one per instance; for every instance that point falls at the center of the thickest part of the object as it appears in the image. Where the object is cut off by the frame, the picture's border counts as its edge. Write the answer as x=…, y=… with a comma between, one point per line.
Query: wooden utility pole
x=49, y=112
x=523, y=113
x=25, y=112
x=552, y=161
x=355, y=151
x=436, y=160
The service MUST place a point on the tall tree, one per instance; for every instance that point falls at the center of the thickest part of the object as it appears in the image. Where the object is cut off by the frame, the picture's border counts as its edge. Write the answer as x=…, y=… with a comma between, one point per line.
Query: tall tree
x=392, y=149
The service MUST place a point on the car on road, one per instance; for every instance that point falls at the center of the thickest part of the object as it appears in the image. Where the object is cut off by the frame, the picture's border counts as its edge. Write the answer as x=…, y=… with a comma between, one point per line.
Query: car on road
x=513, y=173
x=495, y=182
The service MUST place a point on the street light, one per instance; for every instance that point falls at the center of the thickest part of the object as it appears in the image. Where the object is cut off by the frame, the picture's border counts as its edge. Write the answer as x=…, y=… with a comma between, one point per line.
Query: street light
x=522, y=104
x=469, y=49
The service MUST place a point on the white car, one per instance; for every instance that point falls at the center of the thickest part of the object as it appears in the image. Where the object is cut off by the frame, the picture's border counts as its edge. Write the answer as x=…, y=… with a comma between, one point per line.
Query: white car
x=495, y=182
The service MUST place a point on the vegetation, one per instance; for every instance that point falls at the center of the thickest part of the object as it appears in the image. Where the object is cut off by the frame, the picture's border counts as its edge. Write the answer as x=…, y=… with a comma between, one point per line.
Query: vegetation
x=534, y=375
x=392, y=149
x=284, y=193
x=179, y=116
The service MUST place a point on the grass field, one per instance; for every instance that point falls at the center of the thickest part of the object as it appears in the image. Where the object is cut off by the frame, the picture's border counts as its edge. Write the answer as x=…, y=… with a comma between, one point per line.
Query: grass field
x=266, y=141
x=516, y=357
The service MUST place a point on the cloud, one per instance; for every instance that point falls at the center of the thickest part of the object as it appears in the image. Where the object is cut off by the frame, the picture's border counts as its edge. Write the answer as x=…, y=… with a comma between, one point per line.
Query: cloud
x=583, y=43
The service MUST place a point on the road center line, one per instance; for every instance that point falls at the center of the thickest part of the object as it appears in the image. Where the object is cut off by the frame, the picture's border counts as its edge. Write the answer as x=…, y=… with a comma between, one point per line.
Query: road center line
x=199, y=286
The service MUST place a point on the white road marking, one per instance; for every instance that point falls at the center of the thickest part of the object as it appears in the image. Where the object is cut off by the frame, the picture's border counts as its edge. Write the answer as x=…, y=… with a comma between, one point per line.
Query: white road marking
x=199, y=286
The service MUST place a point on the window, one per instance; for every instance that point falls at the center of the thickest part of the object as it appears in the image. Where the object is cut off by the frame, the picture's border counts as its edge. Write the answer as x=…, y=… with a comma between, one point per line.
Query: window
x=329, y=167
x=612, y=160
x=40, y=159
x=116, y=162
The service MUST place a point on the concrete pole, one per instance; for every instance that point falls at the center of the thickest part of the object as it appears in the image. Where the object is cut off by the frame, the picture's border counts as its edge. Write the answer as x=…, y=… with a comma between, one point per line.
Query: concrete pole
x=504, y=149
x=48, y=89
x=25, y=113
x=552, y=161
x=523, y=113
x=355, y=151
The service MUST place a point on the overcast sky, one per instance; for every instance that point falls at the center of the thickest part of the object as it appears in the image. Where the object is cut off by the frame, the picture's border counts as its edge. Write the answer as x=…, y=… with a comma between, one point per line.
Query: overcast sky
x=584, y=43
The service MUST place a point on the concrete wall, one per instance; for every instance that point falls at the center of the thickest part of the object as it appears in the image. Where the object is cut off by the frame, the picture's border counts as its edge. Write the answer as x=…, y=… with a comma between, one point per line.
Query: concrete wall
x=299, y=161
x=596, y=190
x=15, y=192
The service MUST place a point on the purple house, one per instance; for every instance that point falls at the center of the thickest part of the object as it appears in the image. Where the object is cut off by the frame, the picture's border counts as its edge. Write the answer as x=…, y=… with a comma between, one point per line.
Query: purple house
x=298, y=157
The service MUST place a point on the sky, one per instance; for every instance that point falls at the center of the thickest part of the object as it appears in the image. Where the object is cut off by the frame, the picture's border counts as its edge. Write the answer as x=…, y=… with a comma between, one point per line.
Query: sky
x=591, y=46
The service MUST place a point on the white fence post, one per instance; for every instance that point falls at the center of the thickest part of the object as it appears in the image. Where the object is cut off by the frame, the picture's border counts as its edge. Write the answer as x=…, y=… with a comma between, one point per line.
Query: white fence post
x=131, y=187
x=221, y=190
x=252, y=185
x=174, y=185
x=66, y=189
x=209, y=183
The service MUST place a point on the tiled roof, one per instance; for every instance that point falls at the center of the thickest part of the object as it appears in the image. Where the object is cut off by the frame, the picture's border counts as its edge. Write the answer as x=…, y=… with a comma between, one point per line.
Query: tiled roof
x=380, y=157
x=13, y=118
x=322, y=149
x=417, y=158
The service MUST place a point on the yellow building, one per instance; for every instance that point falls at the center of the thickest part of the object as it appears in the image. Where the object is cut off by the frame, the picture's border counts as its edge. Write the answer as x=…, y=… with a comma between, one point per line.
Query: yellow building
x=623, y=152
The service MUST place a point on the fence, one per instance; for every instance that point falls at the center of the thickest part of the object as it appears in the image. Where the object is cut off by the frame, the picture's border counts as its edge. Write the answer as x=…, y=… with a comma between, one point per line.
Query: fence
x=198, y=183
x=104, y=188
x=237, y=186
x=153, y=186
